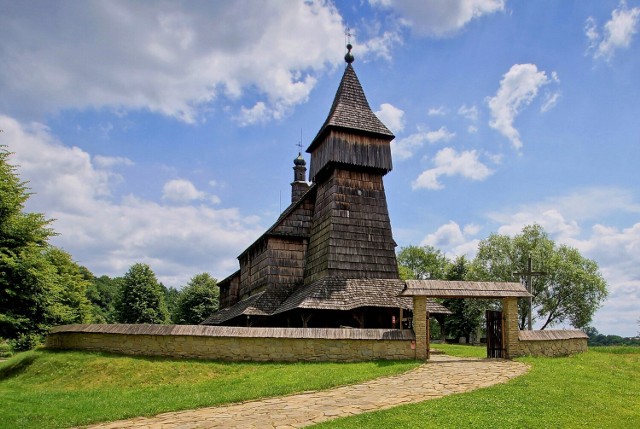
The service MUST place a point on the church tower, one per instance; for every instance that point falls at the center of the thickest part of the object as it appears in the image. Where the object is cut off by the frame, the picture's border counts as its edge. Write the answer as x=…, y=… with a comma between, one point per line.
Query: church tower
x=351, y=232
x=299, y=185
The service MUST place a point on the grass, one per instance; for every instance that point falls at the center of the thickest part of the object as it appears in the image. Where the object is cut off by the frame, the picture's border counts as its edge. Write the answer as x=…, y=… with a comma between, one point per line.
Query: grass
x=67, y=389
x=596, y=389
x=462, y=350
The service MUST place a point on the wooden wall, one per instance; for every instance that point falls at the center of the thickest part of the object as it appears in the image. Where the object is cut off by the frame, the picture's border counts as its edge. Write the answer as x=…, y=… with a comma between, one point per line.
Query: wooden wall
x=351, y=149
x=351, y=231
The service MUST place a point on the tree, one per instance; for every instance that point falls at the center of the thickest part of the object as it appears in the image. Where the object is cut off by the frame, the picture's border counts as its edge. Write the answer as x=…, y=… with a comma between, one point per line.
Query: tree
x=427, y=262
x=422, y=263
x=103, y=293
x=40, y=285
x=197, y=300
x=467, y=313
x=142, y=297
x=571, y=290
x=171, y=296
x=68, y=303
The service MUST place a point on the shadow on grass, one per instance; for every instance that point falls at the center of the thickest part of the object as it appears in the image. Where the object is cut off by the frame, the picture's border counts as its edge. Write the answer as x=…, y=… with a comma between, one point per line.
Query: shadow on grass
x=16, y=365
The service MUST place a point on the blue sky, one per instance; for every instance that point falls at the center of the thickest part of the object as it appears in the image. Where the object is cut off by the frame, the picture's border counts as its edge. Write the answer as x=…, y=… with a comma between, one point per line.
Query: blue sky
x=164, y=132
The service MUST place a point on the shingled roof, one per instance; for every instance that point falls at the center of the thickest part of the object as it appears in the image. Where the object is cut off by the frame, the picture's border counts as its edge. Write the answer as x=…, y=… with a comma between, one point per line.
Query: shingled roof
x=262, y=303
x=238, y=309
x=334, y=293
x=350, y=110
x=464, y=289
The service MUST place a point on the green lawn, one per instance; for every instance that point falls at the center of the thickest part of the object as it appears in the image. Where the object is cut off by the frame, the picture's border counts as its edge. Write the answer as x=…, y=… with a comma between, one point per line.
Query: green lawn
x=47, y=389
x=597, y=389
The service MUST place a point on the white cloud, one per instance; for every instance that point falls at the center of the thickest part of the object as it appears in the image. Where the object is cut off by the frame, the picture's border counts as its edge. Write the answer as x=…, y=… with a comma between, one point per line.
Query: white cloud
x=111, y=161
x=562, y=215
x=404, y=148
x=380, y=46
x=550, y=100
x=259, y=113
x=453, y=240
x=391, y=116
x=440, y=17
x=440, y=135
x=437, y=111
x=518, y=87
x=108, y=236
x=164, y=57
x=552, y=220
x=448, y=162
x=181, y=191
x=471, y=113
x=618, y=32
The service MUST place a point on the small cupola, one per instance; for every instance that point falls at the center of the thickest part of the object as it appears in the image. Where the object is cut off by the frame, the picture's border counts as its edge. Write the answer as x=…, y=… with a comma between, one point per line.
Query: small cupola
x=299, y=185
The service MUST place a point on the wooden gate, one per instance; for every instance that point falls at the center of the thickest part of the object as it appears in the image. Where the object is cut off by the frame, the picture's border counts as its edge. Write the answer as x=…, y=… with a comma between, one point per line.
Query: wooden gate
x=494, y=334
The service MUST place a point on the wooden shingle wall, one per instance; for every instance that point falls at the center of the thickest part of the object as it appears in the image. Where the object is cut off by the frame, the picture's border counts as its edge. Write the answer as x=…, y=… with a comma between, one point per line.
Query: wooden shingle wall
x=318, y=251
x=352, y=149
x=351, y=233
x=297, y=222
x=253, y=269
x=285, y=259
x=229, y=290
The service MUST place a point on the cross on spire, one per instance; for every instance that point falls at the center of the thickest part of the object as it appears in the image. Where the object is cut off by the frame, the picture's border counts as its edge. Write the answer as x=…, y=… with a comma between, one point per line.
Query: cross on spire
x=527, y=275
x=348, y=56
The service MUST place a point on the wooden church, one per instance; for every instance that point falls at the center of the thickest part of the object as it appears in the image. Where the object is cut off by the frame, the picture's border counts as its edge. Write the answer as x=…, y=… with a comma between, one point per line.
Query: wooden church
x=329, y=260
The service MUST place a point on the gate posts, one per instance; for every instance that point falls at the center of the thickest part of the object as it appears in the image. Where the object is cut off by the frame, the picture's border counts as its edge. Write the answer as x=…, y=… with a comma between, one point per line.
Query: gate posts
x=510, y=327
x=420, y=327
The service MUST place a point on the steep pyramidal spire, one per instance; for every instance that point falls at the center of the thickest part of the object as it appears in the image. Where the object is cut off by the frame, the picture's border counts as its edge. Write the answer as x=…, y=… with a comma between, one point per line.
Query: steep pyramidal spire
x=352, y=134
x=351, y=110
x=350, y=230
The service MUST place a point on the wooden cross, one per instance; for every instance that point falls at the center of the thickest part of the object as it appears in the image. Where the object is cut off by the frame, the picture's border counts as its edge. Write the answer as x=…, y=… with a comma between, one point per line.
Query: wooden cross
x=528, y=274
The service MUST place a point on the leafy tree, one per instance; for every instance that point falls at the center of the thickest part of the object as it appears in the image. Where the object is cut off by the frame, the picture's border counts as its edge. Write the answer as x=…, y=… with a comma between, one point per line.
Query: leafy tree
x=40, y=286
x=69, y=303
x=142, y=298
x=598, y=339
x=171, y=296
x=103, y=293
x=197, y=300
x=571, y=290
x=422, y=263
x=430, y=263
x=467, y=313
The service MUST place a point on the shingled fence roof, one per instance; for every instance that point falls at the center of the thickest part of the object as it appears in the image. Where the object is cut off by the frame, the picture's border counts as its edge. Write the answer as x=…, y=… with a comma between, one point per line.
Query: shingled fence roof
x=236, y=331
x=464, y=289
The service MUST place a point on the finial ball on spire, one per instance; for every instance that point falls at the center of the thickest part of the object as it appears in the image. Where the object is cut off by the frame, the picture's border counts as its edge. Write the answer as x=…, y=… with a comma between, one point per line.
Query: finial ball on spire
x=349, y=56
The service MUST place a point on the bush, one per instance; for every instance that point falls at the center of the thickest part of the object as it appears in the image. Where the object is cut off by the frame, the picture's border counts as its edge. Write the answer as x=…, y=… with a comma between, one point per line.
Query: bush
x=26, y=342
x=5, y=349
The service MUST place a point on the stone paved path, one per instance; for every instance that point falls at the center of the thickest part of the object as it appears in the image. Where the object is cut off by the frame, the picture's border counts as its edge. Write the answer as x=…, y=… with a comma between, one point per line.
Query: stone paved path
x=442, y=375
